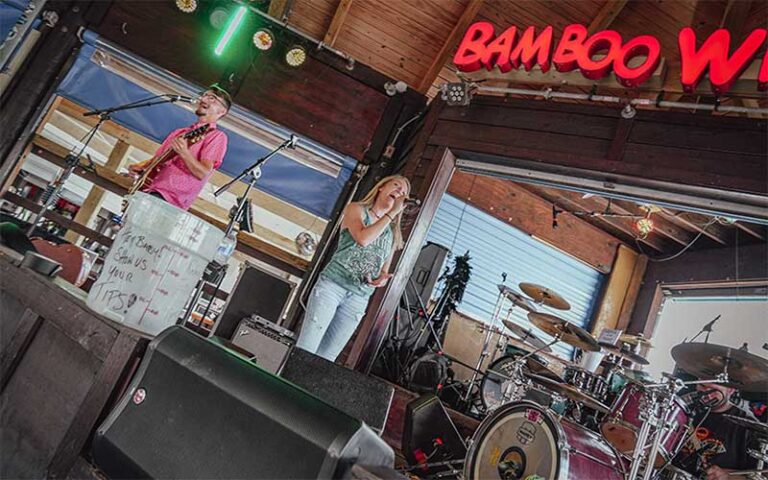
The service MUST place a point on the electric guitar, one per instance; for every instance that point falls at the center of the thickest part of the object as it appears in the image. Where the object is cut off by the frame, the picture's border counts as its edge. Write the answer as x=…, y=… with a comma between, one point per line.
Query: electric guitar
x=150, y=168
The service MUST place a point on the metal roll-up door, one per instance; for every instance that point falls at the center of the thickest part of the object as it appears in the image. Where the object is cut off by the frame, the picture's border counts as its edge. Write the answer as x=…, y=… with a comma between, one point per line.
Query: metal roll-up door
x=495, y=248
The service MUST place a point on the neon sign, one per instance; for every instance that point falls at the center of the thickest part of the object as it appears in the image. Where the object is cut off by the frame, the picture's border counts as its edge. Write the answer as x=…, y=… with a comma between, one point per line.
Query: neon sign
x=601, y=53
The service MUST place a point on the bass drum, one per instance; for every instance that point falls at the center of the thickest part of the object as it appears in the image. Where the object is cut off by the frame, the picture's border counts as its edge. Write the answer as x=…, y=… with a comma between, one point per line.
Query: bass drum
x=524, y=440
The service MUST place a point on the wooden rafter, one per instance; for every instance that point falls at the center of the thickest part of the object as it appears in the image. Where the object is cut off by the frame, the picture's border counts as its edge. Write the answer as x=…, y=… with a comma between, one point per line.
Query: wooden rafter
x=607, y=14
x=469, y=14
x=753, y=230
x=735, y=16
x=662, y=225
x=338, y=20
x=618, y=226
x=278, y=9
x=696, y=223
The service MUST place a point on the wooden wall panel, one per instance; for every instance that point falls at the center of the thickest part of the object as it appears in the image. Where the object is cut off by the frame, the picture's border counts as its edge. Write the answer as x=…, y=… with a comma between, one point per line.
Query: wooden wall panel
x=325, y=102
x=520, y=208
x=702, y=150
x=312, y=17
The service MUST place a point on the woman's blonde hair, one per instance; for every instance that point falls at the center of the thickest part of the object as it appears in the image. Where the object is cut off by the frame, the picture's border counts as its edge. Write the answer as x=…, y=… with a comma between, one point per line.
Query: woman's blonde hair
x=396, y=225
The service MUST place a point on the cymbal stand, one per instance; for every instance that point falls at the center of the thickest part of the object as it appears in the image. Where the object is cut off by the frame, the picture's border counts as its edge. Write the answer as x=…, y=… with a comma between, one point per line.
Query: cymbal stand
x=486, y=343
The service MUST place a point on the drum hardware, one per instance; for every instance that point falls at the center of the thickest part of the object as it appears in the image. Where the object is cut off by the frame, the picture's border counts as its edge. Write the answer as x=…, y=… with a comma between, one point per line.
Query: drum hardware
x=525, y=335
x=570, y=392
x=568, y=332
x=760, y=430
x=516, y=298
x=544, y=296
x=624, y=354
x=486, y=343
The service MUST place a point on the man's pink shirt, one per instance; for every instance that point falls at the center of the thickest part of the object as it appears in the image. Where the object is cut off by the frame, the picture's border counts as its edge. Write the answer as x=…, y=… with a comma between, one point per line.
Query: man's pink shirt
x=175, y=182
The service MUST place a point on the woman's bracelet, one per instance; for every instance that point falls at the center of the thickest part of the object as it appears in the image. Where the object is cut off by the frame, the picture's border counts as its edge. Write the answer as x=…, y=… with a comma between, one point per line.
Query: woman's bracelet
x=390, y=217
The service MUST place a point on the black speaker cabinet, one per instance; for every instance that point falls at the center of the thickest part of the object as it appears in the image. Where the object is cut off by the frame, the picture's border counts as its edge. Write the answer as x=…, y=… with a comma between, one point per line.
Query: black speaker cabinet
x=430, y=435
x=256, y=292
x=196, y=411
x=352, y=392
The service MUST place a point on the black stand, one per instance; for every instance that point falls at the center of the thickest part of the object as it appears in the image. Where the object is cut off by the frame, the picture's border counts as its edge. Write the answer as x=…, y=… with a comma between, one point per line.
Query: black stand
x=72, y=160
x=220, y=270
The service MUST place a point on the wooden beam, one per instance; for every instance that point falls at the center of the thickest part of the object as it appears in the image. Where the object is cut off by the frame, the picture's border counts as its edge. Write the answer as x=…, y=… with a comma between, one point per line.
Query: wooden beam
x=753, y=230
x=89, y=210
x=615, y=291
x=633, y=290
x=518, y=207
x=58, y=219
x=735, y=17
x=607, y=14
x=338, y=21
x=469, y=14
x=696, y=222
x=662, y=226
x=278, y=9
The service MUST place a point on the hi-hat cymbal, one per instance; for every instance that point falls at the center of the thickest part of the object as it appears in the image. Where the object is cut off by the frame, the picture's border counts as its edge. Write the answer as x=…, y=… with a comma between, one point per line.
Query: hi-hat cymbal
x=526, y=335
x=625, y=354
x=569, y=333
x=569, y=391
x=746, y=372
x=759, y=428
x=544, y=296
x=516, y=298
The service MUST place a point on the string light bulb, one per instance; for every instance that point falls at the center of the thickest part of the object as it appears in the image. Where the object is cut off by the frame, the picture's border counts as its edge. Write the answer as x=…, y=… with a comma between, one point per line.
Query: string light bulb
x=644, y=226
x=296, y=56
x=186, y=6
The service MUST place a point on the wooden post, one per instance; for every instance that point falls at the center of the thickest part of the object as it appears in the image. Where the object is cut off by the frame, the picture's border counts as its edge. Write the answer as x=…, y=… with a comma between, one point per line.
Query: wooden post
x=616, y=290
x=90, y=207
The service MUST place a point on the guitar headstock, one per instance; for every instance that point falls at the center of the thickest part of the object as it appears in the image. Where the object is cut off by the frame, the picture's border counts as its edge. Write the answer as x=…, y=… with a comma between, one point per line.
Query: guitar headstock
x=196, y=134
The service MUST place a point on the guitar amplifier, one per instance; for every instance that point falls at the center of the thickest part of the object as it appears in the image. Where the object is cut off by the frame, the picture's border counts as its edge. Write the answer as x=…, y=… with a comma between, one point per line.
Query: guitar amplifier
x=268, y=342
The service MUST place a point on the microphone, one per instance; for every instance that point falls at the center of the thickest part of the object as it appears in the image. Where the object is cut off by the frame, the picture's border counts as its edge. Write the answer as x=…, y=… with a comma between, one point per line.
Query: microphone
x=695, y=397
x=412, y=201
x=182, y=98
x=293, y=141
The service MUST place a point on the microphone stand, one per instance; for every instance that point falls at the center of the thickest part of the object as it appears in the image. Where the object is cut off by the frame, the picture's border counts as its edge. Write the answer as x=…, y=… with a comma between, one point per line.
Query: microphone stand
x=706, y=328
x=72, y=160
x=254, y=173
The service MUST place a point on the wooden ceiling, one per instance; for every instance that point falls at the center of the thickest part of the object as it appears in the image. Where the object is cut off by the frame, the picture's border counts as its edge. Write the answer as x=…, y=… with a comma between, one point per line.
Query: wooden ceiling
x=414, y=40
x=590, y=227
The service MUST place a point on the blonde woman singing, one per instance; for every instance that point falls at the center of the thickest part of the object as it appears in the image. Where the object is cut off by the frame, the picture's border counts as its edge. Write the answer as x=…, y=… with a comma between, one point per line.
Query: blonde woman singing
x=370, y=234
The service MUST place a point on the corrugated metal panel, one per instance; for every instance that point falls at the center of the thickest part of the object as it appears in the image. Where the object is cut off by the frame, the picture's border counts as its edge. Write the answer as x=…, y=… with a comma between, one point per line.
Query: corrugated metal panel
x=496, y=248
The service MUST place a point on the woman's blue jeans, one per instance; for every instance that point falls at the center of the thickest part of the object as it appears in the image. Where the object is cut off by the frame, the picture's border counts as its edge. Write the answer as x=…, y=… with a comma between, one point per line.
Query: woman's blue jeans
x=332, y=315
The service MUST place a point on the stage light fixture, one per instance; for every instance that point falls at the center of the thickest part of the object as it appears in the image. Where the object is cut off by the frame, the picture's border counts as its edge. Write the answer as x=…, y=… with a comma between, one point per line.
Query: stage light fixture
x=456, y=94
x=263, y=39
x=186, y=6
x=234, y=23
x=296, y=56
x=218, y=17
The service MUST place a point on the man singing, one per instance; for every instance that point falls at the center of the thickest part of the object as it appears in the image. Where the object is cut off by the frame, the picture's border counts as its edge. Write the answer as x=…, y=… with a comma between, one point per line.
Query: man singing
x=184, y=174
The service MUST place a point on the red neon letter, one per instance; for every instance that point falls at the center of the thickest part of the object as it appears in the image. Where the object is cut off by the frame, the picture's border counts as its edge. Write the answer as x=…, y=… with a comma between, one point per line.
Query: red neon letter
x=497, y=52
x=723, y=71
x=532, y=50
x=472, y=46
x=594, y=69
x=762, y=77
x=566, y=54
x=642, y=45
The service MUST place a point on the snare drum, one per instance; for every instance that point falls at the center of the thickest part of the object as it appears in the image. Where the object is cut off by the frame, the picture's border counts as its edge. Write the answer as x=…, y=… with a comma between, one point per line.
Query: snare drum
x=621, y=426
x=593, y=385
x=521, y=440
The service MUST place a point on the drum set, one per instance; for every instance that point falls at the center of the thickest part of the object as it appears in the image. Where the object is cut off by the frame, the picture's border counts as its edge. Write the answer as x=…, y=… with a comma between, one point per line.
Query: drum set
x=550, y=418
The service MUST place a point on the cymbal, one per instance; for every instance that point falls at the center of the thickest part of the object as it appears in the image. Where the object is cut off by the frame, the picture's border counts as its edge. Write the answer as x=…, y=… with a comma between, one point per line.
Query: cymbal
x=516, y=298
x=569, y=333
x=544, y=296
x=526, y=335
x=759, y=428
x=638, y=339
x=746, y=372
x=625, y=354
x=571, y=392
